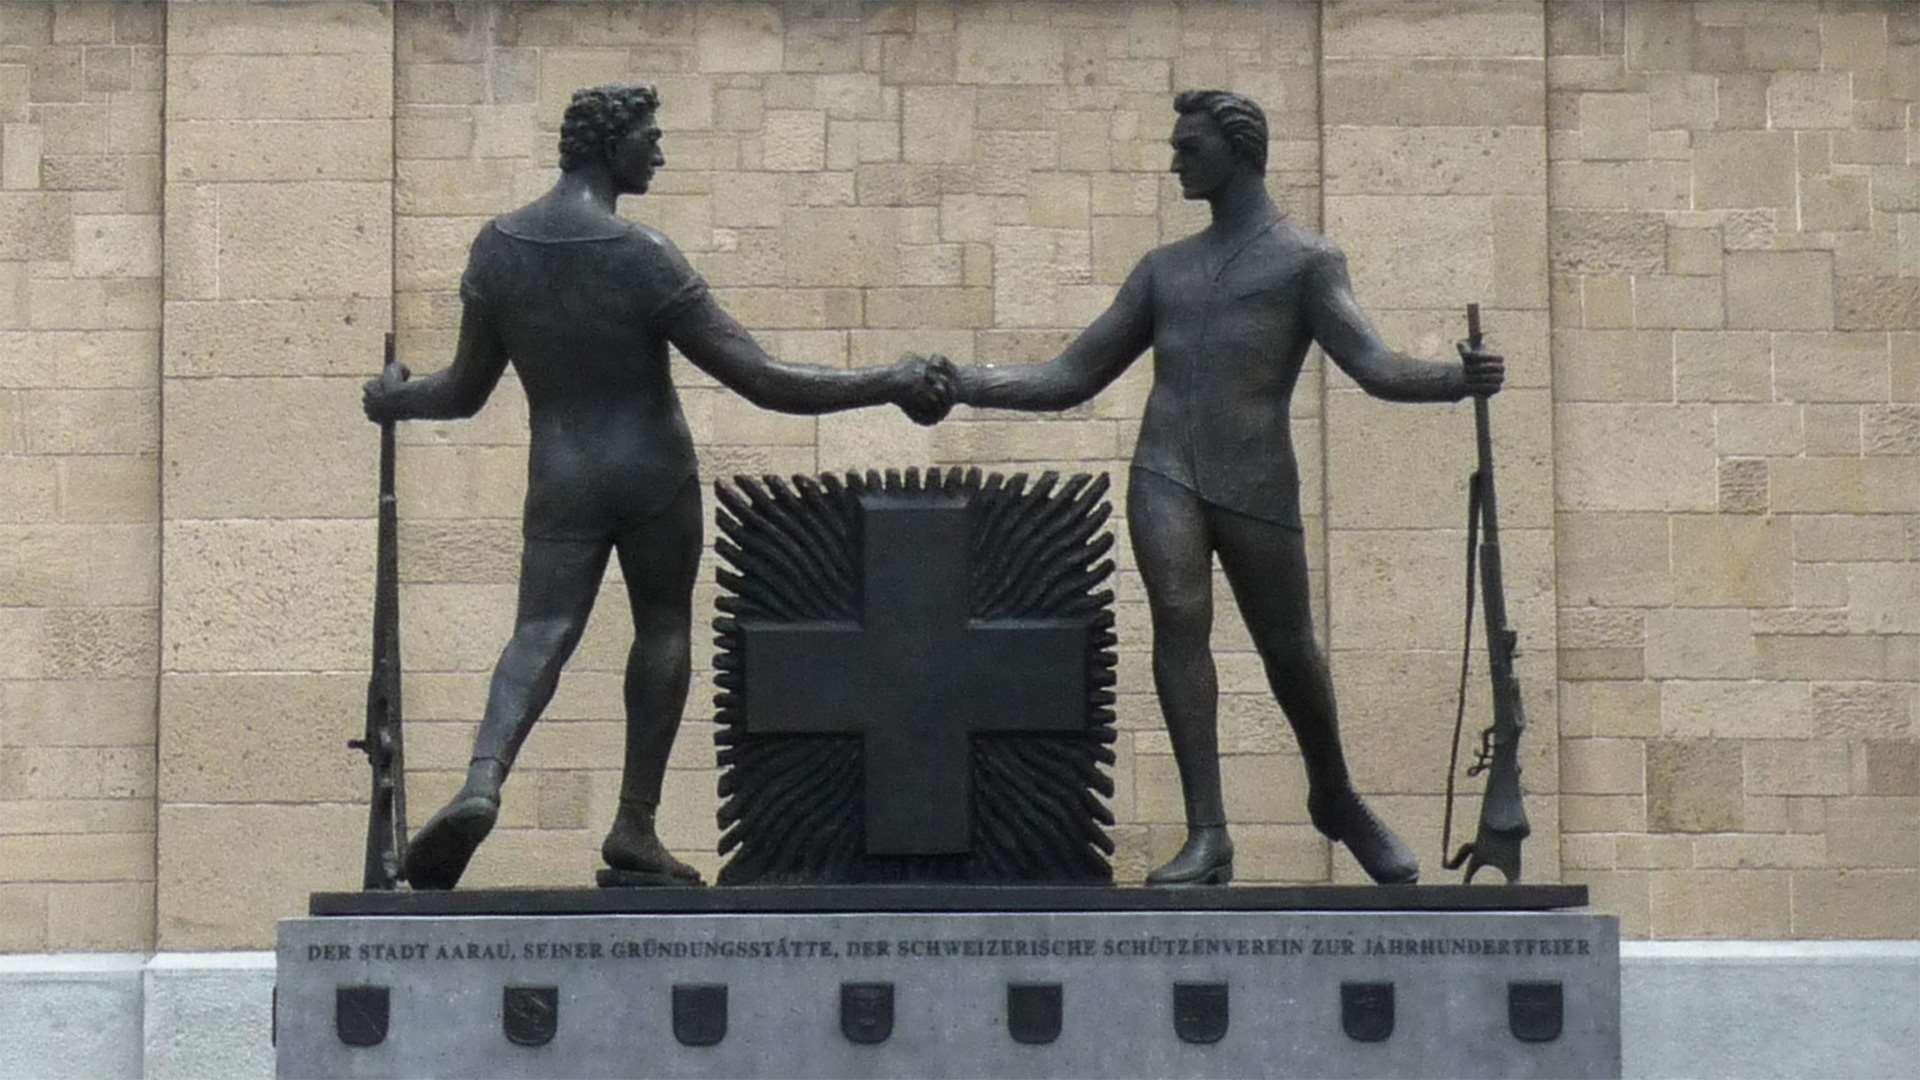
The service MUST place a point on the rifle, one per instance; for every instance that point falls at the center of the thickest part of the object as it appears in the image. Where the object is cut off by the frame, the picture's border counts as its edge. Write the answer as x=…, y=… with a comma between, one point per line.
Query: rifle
x=387, y=810
x=1503, y=819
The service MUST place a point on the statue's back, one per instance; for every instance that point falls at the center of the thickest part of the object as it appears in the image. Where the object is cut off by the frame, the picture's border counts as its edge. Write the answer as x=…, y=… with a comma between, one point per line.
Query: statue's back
x=581, y=319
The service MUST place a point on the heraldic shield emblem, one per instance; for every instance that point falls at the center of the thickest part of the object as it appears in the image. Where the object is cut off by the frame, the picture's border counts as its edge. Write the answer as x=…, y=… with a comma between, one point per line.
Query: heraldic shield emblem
x=1033, y=1012
x=699, y=1013
x=360, y=1014
x=530, y=1014
x=1535, y=1010
x=1366, y=1010
x=866, y=1012
x=1200, y=1012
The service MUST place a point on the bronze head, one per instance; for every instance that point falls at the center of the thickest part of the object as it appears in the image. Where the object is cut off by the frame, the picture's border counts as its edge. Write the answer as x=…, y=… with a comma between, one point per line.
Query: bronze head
x=613, y=127
x=1218, y=134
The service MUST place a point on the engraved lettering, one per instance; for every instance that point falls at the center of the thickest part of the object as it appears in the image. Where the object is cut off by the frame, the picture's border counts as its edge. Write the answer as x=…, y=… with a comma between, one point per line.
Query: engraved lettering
x=784, y=949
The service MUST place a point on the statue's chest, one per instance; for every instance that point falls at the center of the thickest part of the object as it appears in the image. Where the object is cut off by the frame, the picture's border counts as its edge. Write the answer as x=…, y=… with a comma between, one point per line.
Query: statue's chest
x=1219, y=300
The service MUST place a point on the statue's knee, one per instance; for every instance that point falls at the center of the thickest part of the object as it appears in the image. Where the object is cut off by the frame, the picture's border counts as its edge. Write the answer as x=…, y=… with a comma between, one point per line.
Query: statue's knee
x=1182, y=622
x=669, y=649
x=1291, y=658
x=549, y=637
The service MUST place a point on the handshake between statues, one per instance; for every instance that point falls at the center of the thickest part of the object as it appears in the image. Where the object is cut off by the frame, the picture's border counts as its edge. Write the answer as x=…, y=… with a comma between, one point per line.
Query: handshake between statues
x=925, y=387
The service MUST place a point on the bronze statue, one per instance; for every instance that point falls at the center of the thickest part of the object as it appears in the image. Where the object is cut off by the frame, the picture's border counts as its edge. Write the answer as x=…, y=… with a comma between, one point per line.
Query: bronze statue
x=584, y=304
x=1230, y=313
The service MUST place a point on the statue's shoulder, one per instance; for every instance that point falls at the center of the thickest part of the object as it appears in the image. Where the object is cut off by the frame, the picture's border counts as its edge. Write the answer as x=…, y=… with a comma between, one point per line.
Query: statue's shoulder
x=1186, y=247
x=1171, y=261
x=1308, y=244
x=1292, y=236
x=649, y=240
x=1304, y=254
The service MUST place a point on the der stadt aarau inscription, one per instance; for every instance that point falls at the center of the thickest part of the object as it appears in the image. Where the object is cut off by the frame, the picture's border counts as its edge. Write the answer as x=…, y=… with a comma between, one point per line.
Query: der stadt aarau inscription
x=945, y=948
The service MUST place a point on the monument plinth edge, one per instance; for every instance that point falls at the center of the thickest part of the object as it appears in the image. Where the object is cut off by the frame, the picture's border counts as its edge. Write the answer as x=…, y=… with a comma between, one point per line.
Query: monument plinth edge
x=811, y=899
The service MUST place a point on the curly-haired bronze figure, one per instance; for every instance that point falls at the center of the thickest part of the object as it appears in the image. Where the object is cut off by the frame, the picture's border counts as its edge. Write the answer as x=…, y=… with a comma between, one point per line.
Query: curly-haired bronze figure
x=1229, y=313
x=584, y=303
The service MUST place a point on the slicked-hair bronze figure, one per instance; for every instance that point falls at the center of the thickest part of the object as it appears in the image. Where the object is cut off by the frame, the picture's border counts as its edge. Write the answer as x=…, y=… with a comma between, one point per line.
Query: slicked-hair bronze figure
x=1230, y=313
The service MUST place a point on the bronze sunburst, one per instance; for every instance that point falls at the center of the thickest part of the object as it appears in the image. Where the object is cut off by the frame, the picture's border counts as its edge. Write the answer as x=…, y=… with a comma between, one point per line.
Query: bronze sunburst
x=792, y=809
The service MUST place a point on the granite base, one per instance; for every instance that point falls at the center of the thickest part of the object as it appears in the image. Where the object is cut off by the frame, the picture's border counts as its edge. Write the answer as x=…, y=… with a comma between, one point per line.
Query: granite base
x=1107, y=993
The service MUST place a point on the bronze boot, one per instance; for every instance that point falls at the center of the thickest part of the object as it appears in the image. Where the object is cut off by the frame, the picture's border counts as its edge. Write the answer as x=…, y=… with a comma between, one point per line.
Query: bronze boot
x=1205, y=859
x=438, y=854
x=1343, y=818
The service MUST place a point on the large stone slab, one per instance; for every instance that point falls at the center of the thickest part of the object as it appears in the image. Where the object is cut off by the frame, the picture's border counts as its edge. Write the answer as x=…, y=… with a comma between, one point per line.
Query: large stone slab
x=1114, y=993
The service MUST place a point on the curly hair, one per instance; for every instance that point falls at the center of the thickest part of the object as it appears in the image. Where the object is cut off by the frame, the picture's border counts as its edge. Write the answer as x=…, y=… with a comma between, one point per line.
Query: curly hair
x=1240, y=120
x=600, y=114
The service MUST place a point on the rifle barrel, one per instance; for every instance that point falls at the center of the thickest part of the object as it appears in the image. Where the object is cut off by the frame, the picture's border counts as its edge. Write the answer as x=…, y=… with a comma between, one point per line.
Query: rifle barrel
x=387, y=807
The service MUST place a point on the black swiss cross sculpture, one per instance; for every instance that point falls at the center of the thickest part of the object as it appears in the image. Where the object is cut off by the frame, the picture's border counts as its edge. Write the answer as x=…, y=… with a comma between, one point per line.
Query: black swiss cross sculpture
x=914, y=679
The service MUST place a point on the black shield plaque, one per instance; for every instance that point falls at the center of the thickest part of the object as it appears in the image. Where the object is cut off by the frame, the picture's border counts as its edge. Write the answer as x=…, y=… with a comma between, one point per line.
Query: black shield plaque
x=866, y=1012
x=1200, y=1011
x=530, y=1014
x=699, y=1013
x=1033, y=1012
x=1366, y=1010
x=1534, y=1010
x=360, y=1014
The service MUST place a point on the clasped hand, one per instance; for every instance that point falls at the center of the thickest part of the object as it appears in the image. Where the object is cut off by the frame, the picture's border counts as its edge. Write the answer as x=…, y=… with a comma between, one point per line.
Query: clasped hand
x=1485, y=372
x=925, y=387
x=380, y=397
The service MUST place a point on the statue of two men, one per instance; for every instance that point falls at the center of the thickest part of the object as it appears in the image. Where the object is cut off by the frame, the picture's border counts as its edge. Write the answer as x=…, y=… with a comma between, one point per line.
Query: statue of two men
x=584, y=304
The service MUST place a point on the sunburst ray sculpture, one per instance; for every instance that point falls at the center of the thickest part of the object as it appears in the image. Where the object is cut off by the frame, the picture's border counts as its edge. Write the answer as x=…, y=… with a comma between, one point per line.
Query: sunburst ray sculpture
x=915, y=678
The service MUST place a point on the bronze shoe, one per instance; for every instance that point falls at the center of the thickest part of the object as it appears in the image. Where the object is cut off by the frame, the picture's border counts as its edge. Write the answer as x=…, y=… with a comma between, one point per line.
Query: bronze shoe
x=438, y=854
x=1205, y=859
x=1344, y=818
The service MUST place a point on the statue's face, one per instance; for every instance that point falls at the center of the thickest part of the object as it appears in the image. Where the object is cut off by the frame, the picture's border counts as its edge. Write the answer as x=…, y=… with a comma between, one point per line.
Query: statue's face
x=635, y=156
x=1202, y=158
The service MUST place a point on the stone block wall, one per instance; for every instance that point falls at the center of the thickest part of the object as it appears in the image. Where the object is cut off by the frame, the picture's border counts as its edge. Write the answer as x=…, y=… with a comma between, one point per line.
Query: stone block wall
x=1735, y=245
x=279, y=210
x=1691, y=226
x=80, y=271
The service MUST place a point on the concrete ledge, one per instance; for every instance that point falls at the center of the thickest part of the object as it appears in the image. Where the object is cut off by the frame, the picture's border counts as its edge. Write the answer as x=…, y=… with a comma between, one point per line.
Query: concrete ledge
x=1769, y=1009
x=1689, y=1009
x=72, y=1016
x=208, y=1014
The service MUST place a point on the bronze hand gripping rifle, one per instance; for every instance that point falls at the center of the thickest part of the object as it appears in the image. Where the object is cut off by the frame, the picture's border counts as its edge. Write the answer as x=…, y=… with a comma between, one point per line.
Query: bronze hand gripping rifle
x=387, y=811
x=1503, y=819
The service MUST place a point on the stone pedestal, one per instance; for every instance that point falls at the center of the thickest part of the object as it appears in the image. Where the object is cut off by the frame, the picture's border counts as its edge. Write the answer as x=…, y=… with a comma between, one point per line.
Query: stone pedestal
x=952, y=982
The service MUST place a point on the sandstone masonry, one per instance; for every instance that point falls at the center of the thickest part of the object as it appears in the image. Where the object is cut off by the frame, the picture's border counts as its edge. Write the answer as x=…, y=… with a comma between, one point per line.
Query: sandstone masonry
x=1694, y=228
